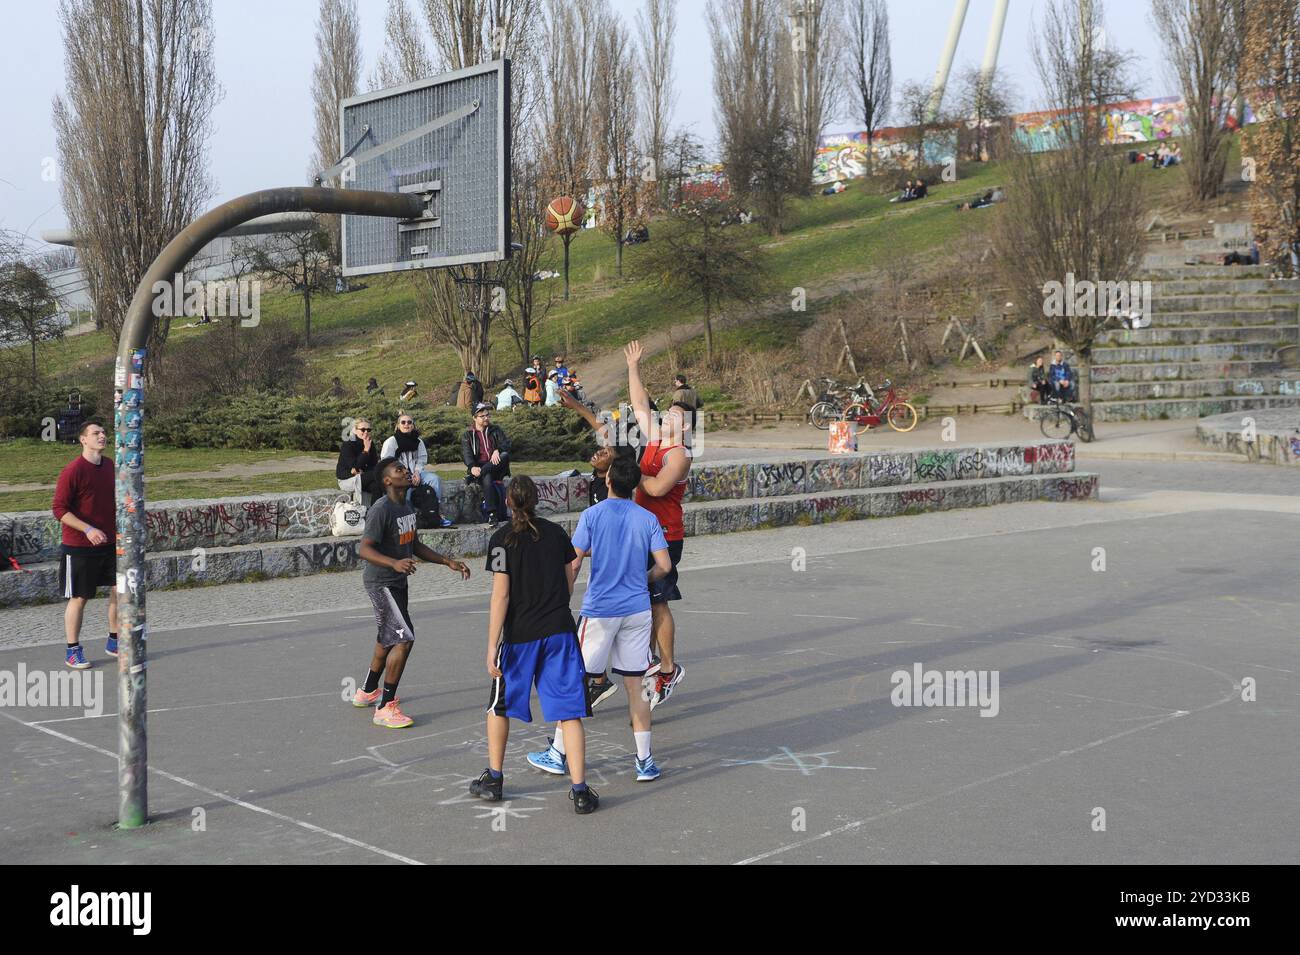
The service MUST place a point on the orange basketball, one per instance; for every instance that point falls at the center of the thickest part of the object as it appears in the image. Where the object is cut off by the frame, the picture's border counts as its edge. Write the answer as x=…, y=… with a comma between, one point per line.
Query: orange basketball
x=564, y=216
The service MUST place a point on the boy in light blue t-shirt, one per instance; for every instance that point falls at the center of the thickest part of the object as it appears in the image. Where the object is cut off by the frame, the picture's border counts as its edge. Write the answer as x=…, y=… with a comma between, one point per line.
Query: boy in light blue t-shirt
x=622, y=538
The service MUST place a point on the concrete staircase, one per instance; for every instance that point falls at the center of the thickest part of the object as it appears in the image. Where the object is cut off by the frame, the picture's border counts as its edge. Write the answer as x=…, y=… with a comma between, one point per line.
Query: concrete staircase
x=1221, y=339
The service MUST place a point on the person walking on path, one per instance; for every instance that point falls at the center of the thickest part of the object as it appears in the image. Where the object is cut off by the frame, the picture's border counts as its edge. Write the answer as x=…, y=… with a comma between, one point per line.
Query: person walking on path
x=84, y=504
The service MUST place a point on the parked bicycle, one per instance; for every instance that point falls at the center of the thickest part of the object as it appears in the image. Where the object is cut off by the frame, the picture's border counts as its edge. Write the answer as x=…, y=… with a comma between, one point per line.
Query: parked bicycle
x=835, y=400
x=1062, y=420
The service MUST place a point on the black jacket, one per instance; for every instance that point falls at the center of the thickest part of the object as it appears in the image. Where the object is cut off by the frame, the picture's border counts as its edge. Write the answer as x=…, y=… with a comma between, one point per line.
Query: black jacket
x=351, y=456
x=469, y=449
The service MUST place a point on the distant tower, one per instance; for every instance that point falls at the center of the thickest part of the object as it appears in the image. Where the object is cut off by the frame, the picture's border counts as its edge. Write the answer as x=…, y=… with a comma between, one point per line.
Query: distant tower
x=996, y=27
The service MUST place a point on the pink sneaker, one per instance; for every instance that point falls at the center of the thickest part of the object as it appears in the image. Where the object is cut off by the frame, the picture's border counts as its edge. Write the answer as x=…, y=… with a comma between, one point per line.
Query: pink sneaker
x=362, y=698
x=393, y=718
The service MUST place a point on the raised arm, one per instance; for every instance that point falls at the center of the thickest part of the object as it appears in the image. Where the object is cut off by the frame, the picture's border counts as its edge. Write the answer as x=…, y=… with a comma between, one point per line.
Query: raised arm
x=635, y=390
x=594, y=423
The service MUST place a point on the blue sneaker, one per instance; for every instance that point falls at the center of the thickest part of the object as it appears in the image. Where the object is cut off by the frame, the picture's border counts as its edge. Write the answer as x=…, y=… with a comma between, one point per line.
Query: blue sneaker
x=448, y=522
x=549, y=760
x=77, y=658
x=111, y=647
x=646, y=770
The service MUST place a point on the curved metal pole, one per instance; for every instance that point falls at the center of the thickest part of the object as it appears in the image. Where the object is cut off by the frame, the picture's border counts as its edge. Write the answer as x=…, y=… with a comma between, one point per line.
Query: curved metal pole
x=132, y=759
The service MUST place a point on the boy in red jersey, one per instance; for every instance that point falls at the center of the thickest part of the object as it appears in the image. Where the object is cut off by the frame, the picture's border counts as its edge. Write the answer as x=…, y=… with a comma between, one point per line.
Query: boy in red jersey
x=665, y=462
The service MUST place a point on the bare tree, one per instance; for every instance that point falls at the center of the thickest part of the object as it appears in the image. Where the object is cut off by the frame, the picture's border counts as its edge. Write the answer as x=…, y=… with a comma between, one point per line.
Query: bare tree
x=1202, y=50
x=299, y=259
x=528, y=297
x=404, y=58
x=1271, y=70
x=815, y=53
x=683, y=152
x=656, y=29
x=336, y=76
x=28, y=306
x=132, y=137
x=914, y=100
x=568, y=78
x=615, y=134
x=982, y=100
x=1072, y=212
x=758, y=131
x=870, y=67
x=700, y=260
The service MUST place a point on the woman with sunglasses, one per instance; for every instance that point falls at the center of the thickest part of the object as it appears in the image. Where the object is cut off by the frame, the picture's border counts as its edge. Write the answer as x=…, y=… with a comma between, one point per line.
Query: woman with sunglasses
x=357, y=459
x=406, y=445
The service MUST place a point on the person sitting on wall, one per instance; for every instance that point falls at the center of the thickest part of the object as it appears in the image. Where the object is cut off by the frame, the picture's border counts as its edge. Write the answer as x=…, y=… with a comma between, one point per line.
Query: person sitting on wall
x=358, y=457
x=1061, y=377
x=1038, y=380
x=485, y=449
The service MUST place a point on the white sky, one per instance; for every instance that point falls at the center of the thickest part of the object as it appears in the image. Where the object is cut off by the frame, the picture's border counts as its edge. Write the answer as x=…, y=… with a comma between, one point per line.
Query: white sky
x=266, y=48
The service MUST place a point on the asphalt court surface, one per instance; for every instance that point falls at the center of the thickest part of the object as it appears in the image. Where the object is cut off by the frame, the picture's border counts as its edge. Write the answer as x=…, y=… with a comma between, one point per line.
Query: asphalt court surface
x=1118, y=690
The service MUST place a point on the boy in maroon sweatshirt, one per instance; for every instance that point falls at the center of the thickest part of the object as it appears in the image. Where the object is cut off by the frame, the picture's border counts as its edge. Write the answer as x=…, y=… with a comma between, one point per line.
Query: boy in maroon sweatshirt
x=83, y=503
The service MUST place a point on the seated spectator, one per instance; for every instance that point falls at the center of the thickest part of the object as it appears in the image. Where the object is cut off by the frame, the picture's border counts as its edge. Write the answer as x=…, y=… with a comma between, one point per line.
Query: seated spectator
x=358, y=457
x=921, y=190
x=485, y=449
x=475, y=389
x=1038, y=380
x=507, y=397
x=408, y=392
x=532, y=386
x=1061, y=377
x=552, y=387
x=406, y=445
x=905, y=195
x=372, y=388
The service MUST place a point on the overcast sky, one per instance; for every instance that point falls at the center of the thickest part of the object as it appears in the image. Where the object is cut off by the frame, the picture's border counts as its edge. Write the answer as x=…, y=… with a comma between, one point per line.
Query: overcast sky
x=265, y=50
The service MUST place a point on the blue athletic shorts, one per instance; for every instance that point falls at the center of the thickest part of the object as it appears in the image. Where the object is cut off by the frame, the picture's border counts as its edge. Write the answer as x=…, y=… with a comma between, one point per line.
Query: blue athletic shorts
x=554, y=664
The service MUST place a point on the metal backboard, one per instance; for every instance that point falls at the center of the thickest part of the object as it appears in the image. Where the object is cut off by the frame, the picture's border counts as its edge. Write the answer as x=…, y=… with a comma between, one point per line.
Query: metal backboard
x=447, y=138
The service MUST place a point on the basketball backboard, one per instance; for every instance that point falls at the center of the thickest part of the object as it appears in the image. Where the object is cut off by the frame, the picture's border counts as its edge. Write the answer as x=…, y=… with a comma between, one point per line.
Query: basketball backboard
x=447, y=138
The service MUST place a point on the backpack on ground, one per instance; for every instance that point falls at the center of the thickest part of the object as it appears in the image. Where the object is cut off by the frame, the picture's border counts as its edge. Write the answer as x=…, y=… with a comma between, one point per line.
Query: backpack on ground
x=348, y=517
x=428, y=512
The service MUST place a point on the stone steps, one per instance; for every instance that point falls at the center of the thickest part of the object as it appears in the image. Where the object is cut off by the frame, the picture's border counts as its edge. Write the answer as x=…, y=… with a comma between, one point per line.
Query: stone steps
x=1181, y=370
x=1025, y=473
x=1179, y=272
x=1161, y=408
x=1224, y=352
x=1230, y=302
x=1234, y=285
x=1233, y=317
x=1195, y=388
x=1199, y=334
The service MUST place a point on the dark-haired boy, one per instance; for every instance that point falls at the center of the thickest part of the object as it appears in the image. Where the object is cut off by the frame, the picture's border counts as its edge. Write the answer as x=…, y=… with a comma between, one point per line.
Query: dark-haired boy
x=389, y=546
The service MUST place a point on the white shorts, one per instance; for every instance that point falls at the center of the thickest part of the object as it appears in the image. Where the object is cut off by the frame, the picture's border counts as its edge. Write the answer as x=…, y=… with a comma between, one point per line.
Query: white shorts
x=620, y=643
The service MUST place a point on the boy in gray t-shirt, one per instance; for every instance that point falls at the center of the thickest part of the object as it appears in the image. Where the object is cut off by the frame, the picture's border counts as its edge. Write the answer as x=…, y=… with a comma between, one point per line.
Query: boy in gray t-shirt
x=389, y=546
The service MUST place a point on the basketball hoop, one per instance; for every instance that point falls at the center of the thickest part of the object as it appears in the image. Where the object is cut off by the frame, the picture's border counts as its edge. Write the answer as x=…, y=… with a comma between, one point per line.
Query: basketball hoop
x=474, y=294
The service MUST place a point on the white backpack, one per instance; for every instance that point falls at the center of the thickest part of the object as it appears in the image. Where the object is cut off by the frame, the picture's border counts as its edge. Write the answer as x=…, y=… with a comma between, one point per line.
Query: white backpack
x=348, y=517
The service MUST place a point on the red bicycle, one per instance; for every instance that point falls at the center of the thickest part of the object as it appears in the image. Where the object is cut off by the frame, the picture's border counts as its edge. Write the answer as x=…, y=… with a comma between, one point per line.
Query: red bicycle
x=893, y=408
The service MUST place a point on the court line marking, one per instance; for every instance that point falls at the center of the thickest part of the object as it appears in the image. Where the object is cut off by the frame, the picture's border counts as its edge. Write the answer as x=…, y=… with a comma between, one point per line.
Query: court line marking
x=1232, y=694
x=736, y=613
x=823, y=616
x=259, y=623
x=234, y=801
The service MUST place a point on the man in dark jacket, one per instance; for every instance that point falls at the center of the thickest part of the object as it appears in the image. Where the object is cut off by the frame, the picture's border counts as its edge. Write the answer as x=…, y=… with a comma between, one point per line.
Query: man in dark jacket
x=485, y=449
x=357, y=459
x=1062, y=378
x=475, y=389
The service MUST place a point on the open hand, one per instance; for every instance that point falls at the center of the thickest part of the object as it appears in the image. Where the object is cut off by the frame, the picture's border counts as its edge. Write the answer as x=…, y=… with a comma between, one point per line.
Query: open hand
x=632, y=352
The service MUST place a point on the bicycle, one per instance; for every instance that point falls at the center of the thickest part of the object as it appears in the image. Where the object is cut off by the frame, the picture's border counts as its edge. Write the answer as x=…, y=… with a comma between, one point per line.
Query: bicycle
x=1063, y=420
x=834, y=401
x=893, y=408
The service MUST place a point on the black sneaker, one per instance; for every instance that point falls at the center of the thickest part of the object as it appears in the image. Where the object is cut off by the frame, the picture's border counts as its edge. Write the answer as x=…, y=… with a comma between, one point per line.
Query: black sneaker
x=584, y=802
x=485, y=787
x=598, y=692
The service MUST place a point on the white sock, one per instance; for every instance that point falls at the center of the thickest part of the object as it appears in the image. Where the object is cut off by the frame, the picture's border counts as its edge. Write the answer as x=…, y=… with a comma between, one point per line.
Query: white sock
x=558, y=742
x=642, y=744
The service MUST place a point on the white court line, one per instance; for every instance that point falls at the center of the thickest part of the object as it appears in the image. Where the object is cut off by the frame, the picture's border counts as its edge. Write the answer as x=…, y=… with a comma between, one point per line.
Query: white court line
x=260, y=623
x=823, y=616
x=192, y=706
x=738, y=613
x=226, y=798
x=945, y=626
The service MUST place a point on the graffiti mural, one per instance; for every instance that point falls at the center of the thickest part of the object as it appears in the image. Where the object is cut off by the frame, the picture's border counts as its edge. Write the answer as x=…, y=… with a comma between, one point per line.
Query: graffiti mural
x=774, y=480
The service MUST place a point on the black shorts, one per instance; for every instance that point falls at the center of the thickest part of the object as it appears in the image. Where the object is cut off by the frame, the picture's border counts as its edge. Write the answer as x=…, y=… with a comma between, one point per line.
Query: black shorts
x=665, y=588
x=392, y=620
x=83, y=570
